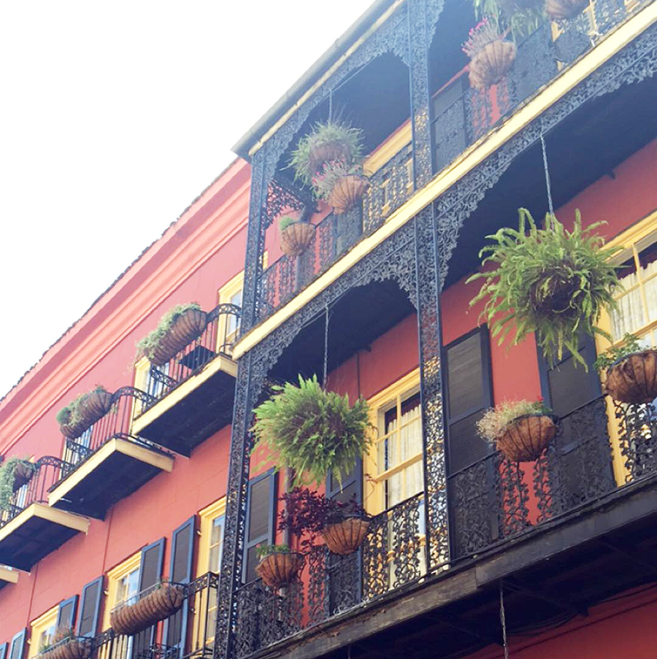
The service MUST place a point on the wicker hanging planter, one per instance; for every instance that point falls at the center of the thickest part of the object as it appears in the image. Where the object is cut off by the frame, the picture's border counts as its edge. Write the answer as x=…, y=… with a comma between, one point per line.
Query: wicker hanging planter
x=95, y=406
x=329, y=152
x=347, y=192
x=525, y=438
x=634, y=378
x=162, y=602
x=296, y=237
x=72, y=648
x=187, y=327
x=279, y=568
x=22, y=473
x=561, y=10
x=346, y=536
x=491, y=64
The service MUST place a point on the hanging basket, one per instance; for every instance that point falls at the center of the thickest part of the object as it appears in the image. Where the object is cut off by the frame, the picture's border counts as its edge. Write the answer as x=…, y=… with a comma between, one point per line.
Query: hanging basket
x=95, y=406
x=296, y=237
x=187, y=327
x=347, y=192
x=328, y=152
x=491, y=64
x=634, y=378
x=557, y=297
x=160, y=603
x=346, y=536
x=72, y=648
x=279, y=568
x=561, y=10
x=22, y=474
x=525, y=438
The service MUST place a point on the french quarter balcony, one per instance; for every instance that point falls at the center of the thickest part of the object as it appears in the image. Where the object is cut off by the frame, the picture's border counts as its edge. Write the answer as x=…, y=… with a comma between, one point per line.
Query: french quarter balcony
x=191, y=395
x=109, y=461
x=544, y=530
x=187, y=633
x=461, y=119
x=29, y=528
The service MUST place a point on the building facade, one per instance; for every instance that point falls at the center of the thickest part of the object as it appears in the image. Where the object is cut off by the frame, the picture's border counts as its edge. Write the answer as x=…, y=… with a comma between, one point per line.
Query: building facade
x=468, y=553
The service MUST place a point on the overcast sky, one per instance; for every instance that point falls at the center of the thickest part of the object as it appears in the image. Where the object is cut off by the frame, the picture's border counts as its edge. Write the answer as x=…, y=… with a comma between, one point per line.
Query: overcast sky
x=114, y=117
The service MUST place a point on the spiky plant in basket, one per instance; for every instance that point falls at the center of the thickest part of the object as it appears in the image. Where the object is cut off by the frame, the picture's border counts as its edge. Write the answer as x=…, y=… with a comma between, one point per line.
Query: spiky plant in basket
x=312, y=431
x=550, y=281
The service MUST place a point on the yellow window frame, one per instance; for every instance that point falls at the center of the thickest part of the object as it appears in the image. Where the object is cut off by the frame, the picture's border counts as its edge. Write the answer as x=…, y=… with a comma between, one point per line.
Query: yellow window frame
x=208, y=515
x=114, y=576
x=225, y=294
x=41, y=626
x=628, y=241
x=373, y=499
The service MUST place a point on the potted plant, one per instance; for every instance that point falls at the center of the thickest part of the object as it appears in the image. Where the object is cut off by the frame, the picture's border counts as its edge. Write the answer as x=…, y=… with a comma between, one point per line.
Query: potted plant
x=520, y=430
x=14, y=473
x=66, y=645
x=329, y=159
x=176, y=329
x=84, y=411
x=295, y=235
x=278, y=564
x=491, y=55
x=550, y=281
x=561, y=10
x=631, y=371
x=312, y=430
x=156, y=603
x=343, y=525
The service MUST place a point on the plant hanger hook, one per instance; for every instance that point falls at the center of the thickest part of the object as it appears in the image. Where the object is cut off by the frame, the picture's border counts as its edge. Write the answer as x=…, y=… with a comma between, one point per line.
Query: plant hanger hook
x=547, y=175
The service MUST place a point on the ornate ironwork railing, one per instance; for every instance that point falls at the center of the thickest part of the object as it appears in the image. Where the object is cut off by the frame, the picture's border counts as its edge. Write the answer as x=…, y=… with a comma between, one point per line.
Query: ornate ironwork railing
x=540, y=58
x=187, y=633
x=47, y=471
x=335, y=235
x=217, y=338
x=115, y=424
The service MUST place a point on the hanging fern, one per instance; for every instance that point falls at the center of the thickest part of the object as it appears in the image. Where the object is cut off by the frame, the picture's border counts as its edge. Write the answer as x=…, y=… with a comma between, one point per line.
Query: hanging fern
x=313, y=431
x=550, y=281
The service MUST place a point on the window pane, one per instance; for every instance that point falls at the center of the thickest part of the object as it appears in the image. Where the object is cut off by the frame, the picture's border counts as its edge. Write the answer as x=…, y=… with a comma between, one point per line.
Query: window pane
x=465, y=376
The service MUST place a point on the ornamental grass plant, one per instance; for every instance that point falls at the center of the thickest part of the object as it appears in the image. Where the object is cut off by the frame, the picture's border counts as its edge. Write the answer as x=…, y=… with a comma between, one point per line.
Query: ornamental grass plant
x=312, y=431
x=491, y=426
x=550, y=281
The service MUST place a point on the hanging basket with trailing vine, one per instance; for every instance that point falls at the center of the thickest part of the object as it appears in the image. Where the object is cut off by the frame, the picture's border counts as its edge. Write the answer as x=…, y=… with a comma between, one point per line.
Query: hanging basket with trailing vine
x=550, y=281
x=312, y=431
x=296, y=236
x=81, y=413
x=14, y=473
x=278, y=565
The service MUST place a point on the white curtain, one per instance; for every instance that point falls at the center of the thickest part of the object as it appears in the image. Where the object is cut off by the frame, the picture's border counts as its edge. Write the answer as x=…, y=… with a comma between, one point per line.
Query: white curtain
x=630, y=314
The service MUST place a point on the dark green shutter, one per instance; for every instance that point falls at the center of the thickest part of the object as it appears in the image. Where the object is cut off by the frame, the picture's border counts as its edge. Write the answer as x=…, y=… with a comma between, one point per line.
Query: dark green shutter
x=90, y=608
x=17, y=645
x=66, y=613
x=259, y=519
x=150, y=572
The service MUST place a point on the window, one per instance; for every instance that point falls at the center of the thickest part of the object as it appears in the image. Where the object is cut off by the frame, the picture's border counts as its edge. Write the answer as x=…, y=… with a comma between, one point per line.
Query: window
x=17, y=646
x=43, y=631
x=230, y=293
x=122, y=583
x=394, y=466
x=259, y=519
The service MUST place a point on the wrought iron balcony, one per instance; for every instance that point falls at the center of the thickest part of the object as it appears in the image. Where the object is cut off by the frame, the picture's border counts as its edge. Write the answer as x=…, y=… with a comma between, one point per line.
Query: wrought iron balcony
x=29, y=528
x=187, y=633
x=191, y=396
x=489, y=504
x=108, y=461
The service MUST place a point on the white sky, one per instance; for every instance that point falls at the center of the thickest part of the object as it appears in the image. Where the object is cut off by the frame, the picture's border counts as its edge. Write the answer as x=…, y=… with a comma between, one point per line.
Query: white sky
x=114, y=117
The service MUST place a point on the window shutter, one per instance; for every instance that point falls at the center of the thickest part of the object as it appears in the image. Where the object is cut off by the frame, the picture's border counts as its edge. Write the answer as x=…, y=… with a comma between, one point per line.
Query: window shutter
x=150, y=571
x=17, y=645
x=90, y=608
x=259, y=519
x=3, y=650
x=180, y=571
x=66, y=613
x=468, y=392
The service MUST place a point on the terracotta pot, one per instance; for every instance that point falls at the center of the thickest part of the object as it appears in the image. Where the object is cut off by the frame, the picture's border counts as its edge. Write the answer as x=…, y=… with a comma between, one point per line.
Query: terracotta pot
x=22, y=474
x=158, y=605
x=328, y=152
x=73, y=648
x=561, y=10
x=346, y=536
x=279, y=568
x=634, y=378
x=491, y=64
x=347, y=192
x=187, y=327
x=525, y=438
x=296, y=237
